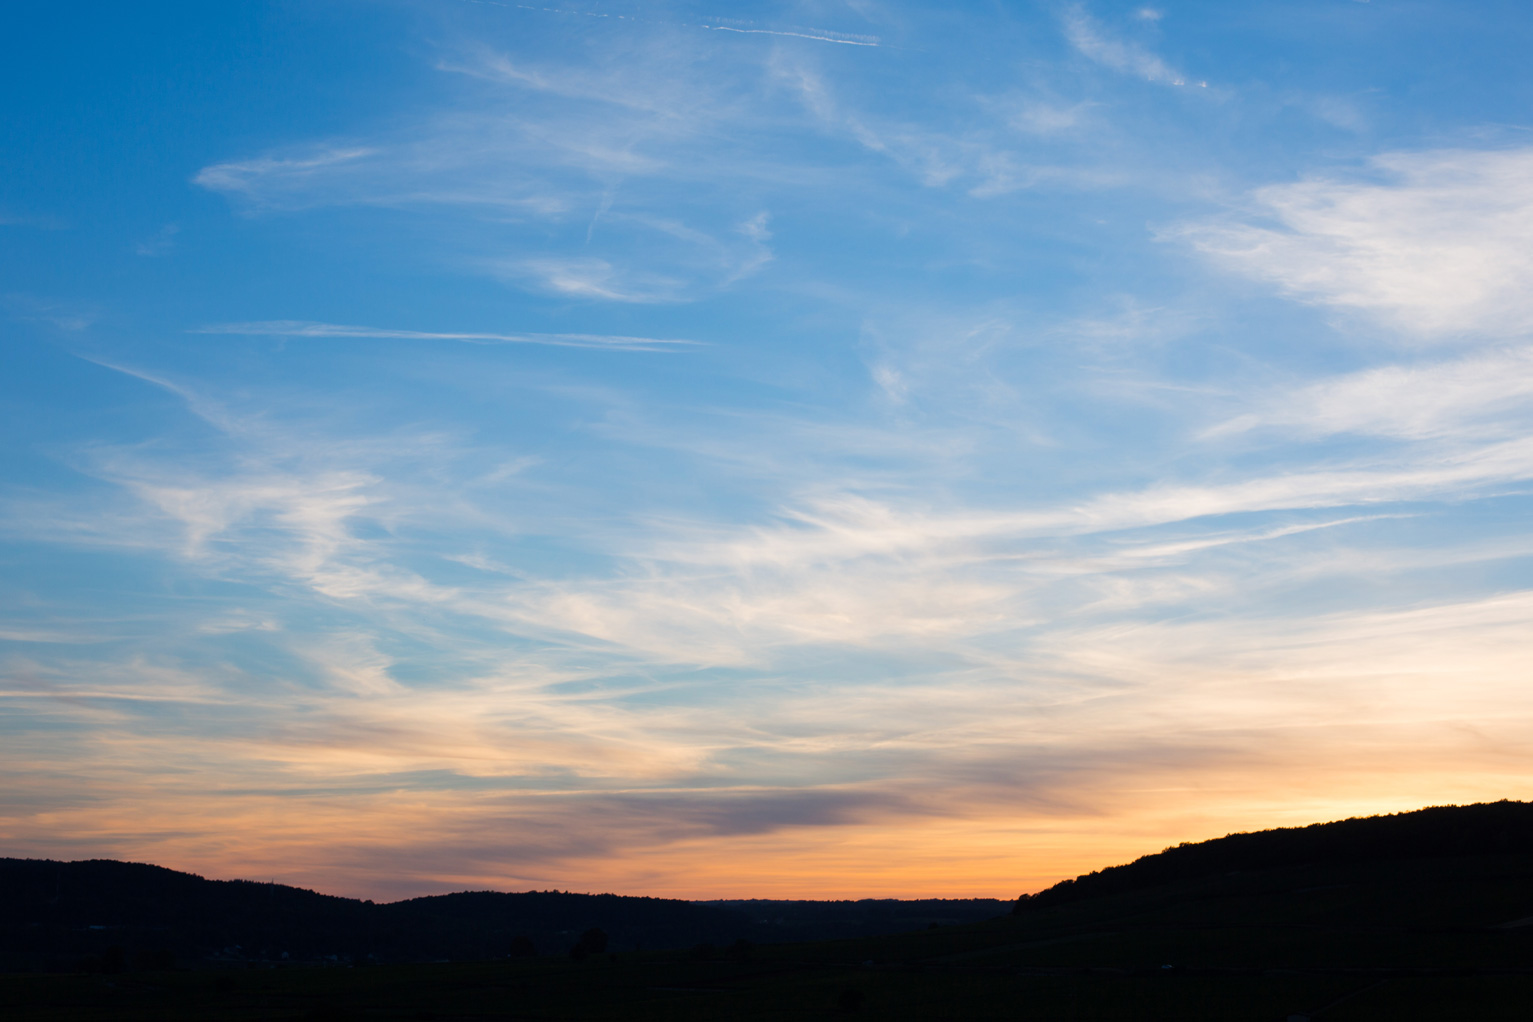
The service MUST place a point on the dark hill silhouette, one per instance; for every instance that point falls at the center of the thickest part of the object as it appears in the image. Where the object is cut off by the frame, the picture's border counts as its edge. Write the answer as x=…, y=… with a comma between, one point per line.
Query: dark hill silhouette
x=65, y=915
x=1424, y=915
x=1485, y=828
x=56, y=912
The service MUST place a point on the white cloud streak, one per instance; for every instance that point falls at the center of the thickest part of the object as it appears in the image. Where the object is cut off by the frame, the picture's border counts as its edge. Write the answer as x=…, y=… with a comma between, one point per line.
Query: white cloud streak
x=1485, y=396
x=1093, y=42
x=588, y=277
x=1437, y=246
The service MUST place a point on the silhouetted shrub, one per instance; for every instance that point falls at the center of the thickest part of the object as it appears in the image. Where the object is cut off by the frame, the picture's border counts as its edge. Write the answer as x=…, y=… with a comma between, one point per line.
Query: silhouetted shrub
x=591, y=942
x=333, y=1013
x=522, y=947
x=109, y=961
x=154, y=961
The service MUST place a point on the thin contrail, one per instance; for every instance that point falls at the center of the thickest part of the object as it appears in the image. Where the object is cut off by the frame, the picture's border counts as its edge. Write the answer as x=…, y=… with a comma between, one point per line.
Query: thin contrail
x=796, y=35
x=817, y=34
x=306, y=328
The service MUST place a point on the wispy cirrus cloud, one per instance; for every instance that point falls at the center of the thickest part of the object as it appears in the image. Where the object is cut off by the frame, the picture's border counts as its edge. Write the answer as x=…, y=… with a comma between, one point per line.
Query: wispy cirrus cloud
x=161, y=242
x=65, y=316
x=1436, y=245
x=589, y=277
x=934, y=154
x=1094, y=42
x=256, y=177
x=1462, y=400
x=575, y=161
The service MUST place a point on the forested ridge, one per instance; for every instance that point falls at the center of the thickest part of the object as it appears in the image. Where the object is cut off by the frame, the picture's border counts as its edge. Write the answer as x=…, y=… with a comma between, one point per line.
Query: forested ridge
x=1485, y=828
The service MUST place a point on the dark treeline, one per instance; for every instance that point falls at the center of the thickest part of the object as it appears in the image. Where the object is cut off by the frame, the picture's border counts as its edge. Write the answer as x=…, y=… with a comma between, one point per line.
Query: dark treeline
x=108, y=915
x=1487, y=828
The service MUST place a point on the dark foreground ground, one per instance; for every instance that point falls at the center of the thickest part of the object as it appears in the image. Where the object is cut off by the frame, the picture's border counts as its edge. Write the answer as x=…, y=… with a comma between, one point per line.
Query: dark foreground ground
x=1405, y=939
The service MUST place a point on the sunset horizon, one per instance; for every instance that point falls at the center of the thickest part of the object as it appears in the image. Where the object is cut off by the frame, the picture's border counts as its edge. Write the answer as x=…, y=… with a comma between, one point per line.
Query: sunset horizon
x=839, y=450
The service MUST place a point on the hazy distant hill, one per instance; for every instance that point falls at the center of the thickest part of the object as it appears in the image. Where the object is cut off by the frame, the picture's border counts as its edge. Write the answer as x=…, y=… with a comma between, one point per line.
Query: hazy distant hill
x=62, y=914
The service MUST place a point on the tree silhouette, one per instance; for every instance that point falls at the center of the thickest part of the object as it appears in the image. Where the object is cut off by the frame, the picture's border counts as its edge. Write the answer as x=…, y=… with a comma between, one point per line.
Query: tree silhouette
x=591, y=942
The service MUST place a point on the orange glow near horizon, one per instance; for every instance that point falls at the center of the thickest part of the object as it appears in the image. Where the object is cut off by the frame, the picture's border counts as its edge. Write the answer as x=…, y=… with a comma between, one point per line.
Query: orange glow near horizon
x=396, y=845
x=980, y=797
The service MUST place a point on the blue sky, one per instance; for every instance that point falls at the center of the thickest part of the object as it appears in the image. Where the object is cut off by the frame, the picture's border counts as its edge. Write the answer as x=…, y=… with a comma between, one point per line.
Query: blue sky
x=830, y=449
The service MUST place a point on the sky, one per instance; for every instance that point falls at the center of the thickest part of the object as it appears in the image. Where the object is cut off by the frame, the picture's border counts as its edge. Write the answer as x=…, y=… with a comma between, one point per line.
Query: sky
x=839, y=449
